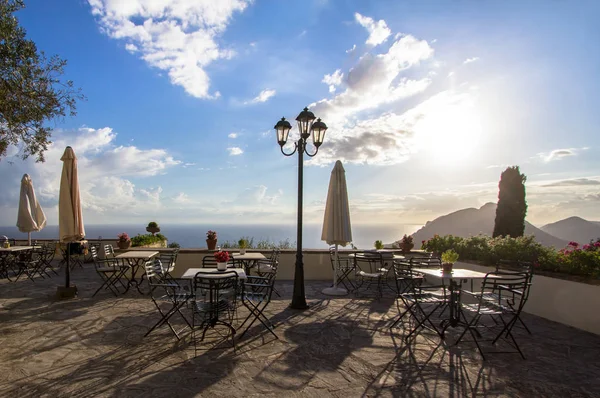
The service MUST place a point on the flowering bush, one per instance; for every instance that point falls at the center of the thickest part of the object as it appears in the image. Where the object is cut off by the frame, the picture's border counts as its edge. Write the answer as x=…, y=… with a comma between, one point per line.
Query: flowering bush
x=123, y=237
x=574, y=259
x=211, y=235
x=222, y=256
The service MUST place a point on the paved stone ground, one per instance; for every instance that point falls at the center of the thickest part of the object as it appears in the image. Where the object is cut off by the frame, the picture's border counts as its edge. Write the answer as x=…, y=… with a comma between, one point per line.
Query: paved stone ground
x=340, y=347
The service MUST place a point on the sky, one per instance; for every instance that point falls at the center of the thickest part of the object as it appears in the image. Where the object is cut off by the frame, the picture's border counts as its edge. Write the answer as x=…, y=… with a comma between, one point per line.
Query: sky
x=426, y=104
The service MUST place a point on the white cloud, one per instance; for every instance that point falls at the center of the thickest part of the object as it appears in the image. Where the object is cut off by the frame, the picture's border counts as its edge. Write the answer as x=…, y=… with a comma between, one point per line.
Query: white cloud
x=172, y=35
x=234, y=151
x=233, y=135
x=469, y=60
x=263, y=96
x=376, y=80
x=105, y=173
x=256, y=195
x=181, y=198
x=351, y=50
x=189, y=164
x=558, y=154
x=378, y=31
x=333, y=80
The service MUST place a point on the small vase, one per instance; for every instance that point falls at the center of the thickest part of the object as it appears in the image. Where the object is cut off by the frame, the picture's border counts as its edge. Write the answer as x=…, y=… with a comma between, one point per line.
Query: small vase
x=124, y=244
x=211, y=243
x=221, y=266
x=447, y=268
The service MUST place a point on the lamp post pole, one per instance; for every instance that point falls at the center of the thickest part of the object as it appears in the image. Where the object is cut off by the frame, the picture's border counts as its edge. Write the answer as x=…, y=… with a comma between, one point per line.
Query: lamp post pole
x=306, y=125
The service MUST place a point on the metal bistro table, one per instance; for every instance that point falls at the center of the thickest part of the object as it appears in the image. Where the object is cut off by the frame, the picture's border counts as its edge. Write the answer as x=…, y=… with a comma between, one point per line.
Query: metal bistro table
x=135, y=259
x=191, y=273
x=248, y=259
x=7, y=255
x=455, y=277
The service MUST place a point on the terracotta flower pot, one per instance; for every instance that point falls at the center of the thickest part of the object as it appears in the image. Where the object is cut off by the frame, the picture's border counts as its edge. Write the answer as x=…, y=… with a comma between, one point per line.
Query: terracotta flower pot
x=211, y=243
x=124, y=244
x=447, y=268
x=407, y=247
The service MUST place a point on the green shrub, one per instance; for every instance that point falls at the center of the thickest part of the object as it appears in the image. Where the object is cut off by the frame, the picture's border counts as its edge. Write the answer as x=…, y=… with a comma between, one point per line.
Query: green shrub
x=147, y=239
x=152, y=224
x=174, y=245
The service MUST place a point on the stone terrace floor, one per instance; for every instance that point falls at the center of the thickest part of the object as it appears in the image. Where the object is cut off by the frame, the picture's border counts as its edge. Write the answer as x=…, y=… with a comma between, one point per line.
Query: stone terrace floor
x=340, y=347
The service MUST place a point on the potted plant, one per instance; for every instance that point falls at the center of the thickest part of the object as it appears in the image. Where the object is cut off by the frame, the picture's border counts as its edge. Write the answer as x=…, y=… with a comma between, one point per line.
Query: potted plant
x=124, y=241
x=153, y=227
x=449, y=257
x=222, y=257
x=243, y=244
x=378, y=245
x=211, y=240
x=406, y=243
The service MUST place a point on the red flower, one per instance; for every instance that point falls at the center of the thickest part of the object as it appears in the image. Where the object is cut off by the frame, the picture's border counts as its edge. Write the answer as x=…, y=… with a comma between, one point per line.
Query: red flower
x=574, y=244
x=222, y=257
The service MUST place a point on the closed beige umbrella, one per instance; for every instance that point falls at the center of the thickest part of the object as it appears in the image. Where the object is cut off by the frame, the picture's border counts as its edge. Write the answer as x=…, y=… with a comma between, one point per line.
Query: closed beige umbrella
x=337, y=229
x=31, y=217
x=70, y=220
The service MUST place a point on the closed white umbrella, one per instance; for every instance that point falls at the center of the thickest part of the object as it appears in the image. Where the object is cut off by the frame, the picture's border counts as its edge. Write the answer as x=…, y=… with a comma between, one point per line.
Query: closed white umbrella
x=70, y=219
x=31, y=217
x=336, y=223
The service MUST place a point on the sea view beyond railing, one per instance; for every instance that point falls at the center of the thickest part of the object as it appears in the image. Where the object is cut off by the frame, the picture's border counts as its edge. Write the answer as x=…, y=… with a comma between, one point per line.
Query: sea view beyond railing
x=194, y=235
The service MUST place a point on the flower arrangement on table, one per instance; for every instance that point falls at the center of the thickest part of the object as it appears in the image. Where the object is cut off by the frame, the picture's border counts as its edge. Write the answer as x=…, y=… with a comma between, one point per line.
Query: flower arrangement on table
x=449, y=257
x=211, y=235
x=222, y=256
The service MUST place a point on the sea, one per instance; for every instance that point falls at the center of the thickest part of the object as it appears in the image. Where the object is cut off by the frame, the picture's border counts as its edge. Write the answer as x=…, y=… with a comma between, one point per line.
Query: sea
x=194, y=235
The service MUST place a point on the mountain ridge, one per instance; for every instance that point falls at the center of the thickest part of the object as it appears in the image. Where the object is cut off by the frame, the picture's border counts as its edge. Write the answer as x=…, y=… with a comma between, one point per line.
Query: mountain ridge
x=575, y=229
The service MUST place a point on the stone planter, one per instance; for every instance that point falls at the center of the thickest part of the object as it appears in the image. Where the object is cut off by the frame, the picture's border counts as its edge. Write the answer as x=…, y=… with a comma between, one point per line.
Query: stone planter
x=124, y=244
x=447, y=268
x=407, y=247
x=153, y=230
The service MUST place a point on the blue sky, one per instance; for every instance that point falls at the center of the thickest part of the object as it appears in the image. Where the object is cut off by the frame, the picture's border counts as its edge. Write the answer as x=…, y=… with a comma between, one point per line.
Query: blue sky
x=426, y=103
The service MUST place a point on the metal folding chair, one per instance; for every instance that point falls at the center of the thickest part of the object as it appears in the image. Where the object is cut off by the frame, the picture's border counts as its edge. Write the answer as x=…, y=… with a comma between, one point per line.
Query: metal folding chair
x=214, y=302
x=27, y=263
x=268, y=269
x=420, y=301
x=168, y=260
x=256, y=296
x=370, y=271
x=109, y=271
x=498, y=289
x=345, y=268
x=166, y=290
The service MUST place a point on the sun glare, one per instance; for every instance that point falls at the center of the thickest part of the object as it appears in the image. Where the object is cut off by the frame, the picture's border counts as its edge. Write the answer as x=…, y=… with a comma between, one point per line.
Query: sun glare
x=450, y=132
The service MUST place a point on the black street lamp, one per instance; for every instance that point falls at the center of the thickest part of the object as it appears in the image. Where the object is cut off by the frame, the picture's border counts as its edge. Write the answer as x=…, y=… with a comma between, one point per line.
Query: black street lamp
x=306, y=125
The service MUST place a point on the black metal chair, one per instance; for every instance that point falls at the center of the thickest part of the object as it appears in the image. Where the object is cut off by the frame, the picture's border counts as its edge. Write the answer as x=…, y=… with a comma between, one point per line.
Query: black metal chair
x=256, y=296
x=420, y=301
x=519, y=266
x=498, y=289
x=27, y=263
x=109, y=271
x=268, y=269
x=168, y=260
x=370, y=271
x=166, y=290
x=345, y=268
x=214, y=303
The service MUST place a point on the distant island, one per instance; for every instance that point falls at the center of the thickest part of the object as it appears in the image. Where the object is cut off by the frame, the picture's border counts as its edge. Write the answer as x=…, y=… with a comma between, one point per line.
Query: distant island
x=472, y=222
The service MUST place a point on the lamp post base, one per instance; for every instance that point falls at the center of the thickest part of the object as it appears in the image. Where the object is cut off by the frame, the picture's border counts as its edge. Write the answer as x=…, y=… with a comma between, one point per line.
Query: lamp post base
x=300, y=305
x=334, y=291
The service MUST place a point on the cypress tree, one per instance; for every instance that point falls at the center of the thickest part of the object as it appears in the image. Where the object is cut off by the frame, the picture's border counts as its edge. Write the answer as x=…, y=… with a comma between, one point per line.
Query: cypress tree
x=512, y=207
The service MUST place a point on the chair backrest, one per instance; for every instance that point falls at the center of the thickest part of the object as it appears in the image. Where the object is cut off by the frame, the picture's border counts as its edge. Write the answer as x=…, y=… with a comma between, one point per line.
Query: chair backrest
x=169, y=258
x=219, y=291
x=508, y=285
x=368, y=261
x=154, y=272
x=109, y=251
x=275, y=254
x=94, y=252
x=426, y=262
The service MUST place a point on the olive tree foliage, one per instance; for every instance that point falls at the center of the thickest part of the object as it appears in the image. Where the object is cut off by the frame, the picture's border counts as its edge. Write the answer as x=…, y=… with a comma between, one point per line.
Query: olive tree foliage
x=32, y=91
x=512, y=207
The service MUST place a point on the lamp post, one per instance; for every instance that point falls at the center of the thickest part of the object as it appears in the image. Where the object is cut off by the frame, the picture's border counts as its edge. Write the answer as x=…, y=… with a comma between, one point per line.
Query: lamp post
x=306, y=125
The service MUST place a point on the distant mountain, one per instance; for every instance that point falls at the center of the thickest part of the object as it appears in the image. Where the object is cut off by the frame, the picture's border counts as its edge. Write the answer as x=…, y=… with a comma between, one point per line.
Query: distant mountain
x=472, y=222
x=574, y=229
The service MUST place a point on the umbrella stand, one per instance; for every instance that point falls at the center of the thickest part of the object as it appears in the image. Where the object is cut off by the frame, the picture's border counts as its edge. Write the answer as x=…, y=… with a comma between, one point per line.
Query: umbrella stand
x=335, y=290
x=67, y=291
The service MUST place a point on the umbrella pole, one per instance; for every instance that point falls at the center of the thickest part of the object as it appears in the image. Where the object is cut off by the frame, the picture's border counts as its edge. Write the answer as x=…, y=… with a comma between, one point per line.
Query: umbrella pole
x=335, y=267
x=68, y=269
x=335, y=290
